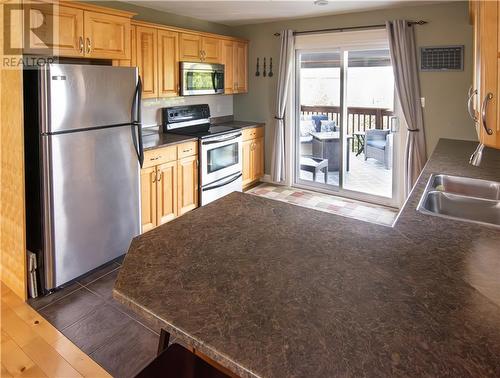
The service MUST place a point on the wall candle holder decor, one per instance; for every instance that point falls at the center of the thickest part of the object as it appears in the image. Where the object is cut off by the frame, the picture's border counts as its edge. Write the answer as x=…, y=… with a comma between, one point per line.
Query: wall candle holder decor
x=270, y=67
x=257, y=73
x=264, y=69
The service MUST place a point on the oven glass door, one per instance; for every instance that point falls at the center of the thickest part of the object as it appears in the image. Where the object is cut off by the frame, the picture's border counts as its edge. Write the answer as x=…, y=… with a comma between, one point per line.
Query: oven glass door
x=222, y=157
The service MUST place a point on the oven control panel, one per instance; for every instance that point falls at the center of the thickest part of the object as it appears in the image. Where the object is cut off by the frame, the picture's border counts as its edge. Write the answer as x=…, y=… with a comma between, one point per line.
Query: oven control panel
x=176, y=114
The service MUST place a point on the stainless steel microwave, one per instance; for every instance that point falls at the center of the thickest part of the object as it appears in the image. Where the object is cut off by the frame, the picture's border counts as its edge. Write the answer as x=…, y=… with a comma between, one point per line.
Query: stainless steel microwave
x=201, y=78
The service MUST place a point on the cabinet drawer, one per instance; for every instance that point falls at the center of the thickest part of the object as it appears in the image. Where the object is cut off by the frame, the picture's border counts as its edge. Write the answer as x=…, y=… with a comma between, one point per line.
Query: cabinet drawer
x=255, y=132
x=187, y=149
x=159, y=156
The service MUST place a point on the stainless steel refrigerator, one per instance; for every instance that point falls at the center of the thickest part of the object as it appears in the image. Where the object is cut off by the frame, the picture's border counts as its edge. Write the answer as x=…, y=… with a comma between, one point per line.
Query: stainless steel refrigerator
x=83, y=153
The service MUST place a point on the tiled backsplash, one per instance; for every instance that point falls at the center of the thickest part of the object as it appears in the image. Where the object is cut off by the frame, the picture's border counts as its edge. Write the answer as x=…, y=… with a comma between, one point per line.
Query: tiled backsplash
x=220, y=105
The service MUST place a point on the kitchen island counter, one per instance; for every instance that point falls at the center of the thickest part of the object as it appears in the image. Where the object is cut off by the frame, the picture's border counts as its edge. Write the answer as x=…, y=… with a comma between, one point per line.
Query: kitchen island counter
x=271, y=289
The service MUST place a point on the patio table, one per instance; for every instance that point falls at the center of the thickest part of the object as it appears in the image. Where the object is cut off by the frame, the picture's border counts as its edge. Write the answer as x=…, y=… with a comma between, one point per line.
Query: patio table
x=326, y=145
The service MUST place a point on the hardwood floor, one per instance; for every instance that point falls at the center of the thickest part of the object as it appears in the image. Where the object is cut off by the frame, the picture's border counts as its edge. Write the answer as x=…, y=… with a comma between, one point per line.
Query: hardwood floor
x=32, y=347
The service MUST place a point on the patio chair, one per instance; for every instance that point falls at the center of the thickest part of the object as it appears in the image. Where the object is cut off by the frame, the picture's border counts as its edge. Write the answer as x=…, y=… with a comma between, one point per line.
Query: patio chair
x=378, y=145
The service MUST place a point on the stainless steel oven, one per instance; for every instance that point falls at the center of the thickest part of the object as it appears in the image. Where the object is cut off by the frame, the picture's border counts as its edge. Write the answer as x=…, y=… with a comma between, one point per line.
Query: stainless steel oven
x=220, y=149
x=220, y=165
x=201, y=78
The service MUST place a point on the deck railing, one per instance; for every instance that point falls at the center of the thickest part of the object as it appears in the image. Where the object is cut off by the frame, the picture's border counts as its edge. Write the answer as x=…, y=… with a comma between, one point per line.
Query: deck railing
x=358, y=118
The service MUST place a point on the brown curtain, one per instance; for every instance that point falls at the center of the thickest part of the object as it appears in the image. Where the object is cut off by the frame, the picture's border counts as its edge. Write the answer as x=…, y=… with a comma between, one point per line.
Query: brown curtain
x=404, y=63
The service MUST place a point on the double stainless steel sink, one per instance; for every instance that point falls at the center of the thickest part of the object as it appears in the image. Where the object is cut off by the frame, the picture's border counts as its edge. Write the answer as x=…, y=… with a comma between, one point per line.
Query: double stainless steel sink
x=462, y=198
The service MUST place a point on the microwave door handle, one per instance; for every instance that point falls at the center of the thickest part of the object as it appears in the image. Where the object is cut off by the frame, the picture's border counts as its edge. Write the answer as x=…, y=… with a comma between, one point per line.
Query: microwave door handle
x=221, y=140
x=214, y=84
x=222, y=183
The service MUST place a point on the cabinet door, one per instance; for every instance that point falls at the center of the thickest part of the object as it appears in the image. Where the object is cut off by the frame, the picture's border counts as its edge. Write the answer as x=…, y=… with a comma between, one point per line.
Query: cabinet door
x=106, y=36
x=488, y=91
x=166, y=192
x=58, y=28
x=241, y=67
x=146, y=59
x=211, y=48
x=190, y=48
x=148, y=198
x=246, y=159
x=228, y=62
x=187, y=184
x=258, y=158
x=168, y=63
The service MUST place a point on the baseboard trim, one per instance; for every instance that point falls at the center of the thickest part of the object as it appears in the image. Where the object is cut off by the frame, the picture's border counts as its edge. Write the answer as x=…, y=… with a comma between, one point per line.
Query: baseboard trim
x=267, y=179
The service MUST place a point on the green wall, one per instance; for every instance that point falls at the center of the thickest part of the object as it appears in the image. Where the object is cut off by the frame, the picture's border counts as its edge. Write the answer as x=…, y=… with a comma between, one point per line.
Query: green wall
x=165, y=18
x=445, y=92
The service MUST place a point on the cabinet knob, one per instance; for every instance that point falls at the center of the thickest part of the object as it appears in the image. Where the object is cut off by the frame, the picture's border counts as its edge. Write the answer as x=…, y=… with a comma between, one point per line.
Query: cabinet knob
x=80, y=42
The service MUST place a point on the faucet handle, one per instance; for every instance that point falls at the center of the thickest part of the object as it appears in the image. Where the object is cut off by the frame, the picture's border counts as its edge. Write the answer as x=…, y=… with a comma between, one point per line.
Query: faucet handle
x=477, y=155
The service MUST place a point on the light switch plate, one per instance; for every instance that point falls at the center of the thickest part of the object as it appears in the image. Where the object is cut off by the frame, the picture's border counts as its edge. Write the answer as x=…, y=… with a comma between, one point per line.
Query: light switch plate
x=422, y=101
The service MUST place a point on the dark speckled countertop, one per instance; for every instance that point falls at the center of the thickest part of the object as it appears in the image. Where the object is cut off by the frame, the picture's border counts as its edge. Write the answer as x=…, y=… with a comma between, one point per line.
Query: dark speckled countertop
x=270, y=289
x=152, y=137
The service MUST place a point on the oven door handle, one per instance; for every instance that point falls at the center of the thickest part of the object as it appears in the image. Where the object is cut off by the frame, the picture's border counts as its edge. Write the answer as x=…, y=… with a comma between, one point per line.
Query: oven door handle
x=222, y=183
x=221, y=140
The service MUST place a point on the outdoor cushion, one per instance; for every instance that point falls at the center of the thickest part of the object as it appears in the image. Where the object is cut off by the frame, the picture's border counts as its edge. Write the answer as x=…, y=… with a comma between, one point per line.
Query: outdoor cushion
x=380, y=144
x=306, y=127
x=317, y=120
x=328, y=126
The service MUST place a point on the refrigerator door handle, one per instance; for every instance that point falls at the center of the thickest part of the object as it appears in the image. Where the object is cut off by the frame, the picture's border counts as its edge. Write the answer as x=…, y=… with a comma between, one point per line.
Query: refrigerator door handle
x=136, y=122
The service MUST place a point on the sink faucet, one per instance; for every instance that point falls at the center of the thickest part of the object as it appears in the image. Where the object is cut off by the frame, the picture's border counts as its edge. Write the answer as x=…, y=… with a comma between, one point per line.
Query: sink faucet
x=475, y=158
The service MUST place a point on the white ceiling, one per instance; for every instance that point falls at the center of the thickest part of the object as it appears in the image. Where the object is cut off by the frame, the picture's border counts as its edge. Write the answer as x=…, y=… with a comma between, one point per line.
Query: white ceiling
x=240, y=12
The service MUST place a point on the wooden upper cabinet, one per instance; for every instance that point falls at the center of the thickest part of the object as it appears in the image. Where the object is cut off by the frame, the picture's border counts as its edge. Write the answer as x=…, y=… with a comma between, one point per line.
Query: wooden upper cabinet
x=166, y=192
x=106, y=36
x=146, y=40
x=240, y=70
x=488, y=78
x=197, y=48
x=59, y=28
x=168, y=63
x=187, y=184
x=211, y=50
x=190, y=47
x=228, y=62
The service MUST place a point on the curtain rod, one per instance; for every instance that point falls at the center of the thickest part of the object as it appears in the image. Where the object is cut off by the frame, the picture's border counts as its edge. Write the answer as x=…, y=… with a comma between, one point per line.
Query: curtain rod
x=410, y=23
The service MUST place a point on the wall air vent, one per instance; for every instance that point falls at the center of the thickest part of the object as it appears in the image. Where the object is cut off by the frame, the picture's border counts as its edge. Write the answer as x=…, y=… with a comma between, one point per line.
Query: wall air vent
x=442, y=58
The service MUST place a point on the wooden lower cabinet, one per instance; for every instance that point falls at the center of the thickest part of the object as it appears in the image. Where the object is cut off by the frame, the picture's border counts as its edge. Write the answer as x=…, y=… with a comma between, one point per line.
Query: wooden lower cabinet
x=170, y=188
x=167, y=189
x=253, y=155
x=187, y=187
x=148, y=198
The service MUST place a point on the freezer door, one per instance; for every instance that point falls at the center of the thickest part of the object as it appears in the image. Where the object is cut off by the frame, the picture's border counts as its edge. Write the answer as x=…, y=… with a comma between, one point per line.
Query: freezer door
x=85, y=96
x=91, y=200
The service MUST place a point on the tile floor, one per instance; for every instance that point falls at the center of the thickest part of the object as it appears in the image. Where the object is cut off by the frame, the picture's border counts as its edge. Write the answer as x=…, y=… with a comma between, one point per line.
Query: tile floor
x=328, y=203
x=86, y=313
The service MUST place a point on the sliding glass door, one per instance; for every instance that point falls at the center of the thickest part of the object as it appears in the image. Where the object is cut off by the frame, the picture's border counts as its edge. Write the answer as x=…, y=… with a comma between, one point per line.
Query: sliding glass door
x=345, y=129
x=318, y=131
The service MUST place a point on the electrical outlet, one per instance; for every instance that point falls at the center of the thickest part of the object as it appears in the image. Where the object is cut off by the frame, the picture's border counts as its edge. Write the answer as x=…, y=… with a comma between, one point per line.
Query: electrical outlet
x=422, y=101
